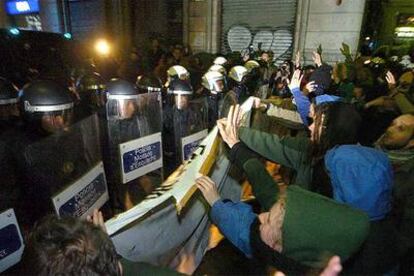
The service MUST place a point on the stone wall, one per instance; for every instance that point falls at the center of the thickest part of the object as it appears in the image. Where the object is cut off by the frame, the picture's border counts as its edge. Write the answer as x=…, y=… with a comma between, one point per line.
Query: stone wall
x=201, y=26
x=326, y=23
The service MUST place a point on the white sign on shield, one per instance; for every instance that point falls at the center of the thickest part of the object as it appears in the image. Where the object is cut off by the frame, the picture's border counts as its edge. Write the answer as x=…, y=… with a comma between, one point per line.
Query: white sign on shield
x=140, y=156
x=190, y=143
x=11, y=240
x=82, y=197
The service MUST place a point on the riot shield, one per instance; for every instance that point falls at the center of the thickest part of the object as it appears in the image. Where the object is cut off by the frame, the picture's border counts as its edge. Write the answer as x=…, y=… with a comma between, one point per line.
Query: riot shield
x=215, y=101
x=64, y=172
x=133, y=160
x=185, y=127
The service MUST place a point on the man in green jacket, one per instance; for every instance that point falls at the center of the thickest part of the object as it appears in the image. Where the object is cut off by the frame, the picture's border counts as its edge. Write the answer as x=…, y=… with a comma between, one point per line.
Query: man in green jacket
x=398, y=143
x=297, y=224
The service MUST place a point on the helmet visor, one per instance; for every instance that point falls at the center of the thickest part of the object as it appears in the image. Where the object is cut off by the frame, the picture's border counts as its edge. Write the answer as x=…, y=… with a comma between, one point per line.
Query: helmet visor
x=218, y=85
x=55, y=121
x=121, y=109
x=181, y=101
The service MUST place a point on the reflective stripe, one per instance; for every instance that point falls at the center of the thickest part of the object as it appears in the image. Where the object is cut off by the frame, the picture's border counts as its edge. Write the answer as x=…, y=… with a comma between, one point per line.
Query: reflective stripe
x=9, y=101
x=46, y=108
x=122, y=97
x=95, y=86
x=180, y=92
x=149, y=88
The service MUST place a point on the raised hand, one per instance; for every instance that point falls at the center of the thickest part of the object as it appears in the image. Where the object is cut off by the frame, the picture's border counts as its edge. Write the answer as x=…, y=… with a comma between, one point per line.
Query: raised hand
x=333, y=268
x=311, y=86
x=297, y=60
x=296, y=80
x=229, y=126
x=390, y=80
x=208, y=188
x=317, y=59
x=257, y=102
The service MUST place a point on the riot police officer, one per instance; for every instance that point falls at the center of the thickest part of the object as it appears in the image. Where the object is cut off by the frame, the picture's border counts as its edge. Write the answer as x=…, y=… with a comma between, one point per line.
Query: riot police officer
x=149, y=88
x=253, y=76
x=173, y=73
x=128, y=122
x=50, y=152
x=214, y=84
x=177, y=72
x=181, y=119
x=148, y=83
x=90, y=89
x=238, y=88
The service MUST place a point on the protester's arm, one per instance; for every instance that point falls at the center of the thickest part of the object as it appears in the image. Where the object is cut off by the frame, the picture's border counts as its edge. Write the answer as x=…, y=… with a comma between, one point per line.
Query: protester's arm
x=278, y=112
x=264, y=187
x=286, y=151
x=404, y=105
x=233, y=219
x=301, y=100
x=302, y=104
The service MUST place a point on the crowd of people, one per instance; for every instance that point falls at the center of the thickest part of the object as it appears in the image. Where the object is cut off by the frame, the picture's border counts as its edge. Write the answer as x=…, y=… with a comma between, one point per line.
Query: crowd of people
x=348, y=206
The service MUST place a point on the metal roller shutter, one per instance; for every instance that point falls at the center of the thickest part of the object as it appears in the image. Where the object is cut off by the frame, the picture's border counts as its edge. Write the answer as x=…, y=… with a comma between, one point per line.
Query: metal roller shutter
x=270, y=23
x=87, y=18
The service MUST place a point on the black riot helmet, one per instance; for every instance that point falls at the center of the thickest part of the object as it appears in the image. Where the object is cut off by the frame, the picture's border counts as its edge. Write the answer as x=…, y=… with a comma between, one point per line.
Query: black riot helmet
x=91, y=89
x=122, y=99
x=9, y=99
x=148, y=83
x=47, y=103
x=182, y=91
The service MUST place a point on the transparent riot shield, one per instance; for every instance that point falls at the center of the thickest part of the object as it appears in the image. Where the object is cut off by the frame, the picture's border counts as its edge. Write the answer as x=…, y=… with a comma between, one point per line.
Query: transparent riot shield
x=133, y=158
x=64, y=172
x=185, y=126
x=215, y=101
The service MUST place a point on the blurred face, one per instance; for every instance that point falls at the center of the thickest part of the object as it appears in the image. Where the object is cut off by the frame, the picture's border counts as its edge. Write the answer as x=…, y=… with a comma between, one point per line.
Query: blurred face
x=265, y=57
x=399, y=133
x=265, y=228
x=218, y=86
x=56, y=122
x=177, y=53
x=358, y=92
x=269, y=228
x=128, y=109
x=181, y=101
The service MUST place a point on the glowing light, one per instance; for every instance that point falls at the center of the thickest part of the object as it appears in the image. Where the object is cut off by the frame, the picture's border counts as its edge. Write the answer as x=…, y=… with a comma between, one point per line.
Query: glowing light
x=14, y=31
x=22, y=6
x=367, y=38
x=67, y=35
x=102, y=47
x=404, y=29
x=404, y=32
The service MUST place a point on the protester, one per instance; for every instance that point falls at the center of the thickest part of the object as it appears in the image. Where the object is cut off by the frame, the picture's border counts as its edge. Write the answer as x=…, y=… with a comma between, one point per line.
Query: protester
x=71, y=246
